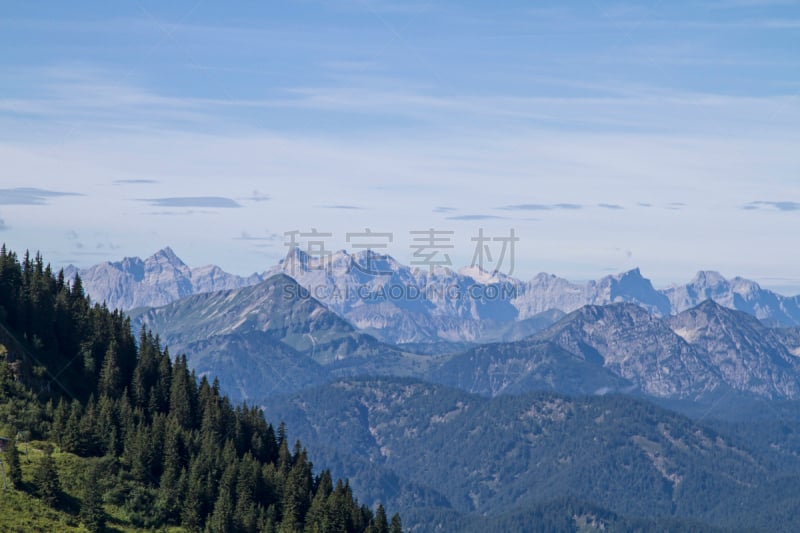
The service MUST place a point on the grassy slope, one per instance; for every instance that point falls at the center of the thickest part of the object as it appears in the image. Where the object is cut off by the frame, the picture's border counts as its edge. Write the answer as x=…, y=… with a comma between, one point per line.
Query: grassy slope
x=22, y=511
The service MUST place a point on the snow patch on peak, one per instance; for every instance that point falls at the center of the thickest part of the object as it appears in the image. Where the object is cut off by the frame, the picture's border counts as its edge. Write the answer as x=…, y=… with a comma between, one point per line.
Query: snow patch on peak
x=481, y=275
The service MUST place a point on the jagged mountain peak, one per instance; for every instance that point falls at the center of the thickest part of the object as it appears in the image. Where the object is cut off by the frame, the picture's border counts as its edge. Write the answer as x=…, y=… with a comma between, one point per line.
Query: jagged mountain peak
x=378, y=261
x=630, y=286
x=633, y=273
x=636, y=345
x=708, y=278
x=709, y=311
x=167, y=254
x=613, y=311
x=631, y=277
x=481, y=275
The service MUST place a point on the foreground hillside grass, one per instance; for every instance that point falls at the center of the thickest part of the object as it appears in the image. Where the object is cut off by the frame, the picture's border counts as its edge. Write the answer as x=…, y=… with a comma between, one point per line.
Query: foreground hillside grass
x=21, y=511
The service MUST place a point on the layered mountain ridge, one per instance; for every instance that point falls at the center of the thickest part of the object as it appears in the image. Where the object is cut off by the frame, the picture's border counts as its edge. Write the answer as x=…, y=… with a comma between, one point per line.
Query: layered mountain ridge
x=399, y=304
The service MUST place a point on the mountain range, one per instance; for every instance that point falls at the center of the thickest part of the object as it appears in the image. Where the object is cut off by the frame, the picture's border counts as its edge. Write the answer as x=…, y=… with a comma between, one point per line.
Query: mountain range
x=297, y=325
x=416, y=306
x=252, y=338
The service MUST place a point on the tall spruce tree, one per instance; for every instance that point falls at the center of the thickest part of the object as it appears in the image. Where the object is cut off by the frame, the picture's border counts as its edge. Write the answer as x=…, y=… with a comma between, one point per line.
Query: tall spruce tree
x=110, y=375
x=45, y=477
x=381, y=524
x=13, y=468
x=92, y=514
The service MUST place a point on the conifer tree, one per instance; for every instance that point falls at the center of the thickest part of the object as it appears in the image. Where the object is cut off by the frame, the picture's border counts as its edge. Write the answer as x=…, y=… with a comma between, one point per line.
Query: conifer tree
x=183, y=395
x=221, y=519
x=381, y=524
x=71, y=438
x=45, y=477
x=92, y=514
x=13, y=468
x=318, y=519
x=110, y=374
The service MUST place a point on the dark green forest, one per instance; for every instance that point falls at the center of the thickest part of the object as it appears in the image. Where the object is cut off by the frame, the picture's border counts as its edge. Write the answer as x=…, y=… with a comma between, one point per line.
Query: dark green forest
x=137, y=434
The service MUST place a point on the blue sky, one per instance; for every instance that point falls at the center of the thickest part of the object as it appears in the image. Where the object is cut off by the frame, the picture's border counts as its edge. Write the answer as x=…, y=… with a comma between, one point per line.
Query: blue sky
x=609, y=135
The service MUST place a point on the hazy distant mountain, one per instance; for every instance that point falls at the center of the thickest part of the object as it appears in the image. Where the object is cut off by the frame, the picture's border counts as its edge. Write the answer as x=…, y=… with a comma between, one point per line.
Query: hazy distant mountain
x=404, y=305
x=545, y=292
x=399, y=304
x=158, y=280
x=737, y=293
x=470, y=305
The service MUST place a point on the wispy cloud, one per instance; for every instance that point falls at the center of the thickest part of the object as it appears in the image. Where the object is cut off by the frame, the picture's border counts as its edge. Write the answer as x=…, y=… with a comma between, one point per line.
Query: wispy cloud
x=98, y=99
x=134, y=182
x=444, y=209
x=540, y=207
x=182, y=213
x=610, y=206
x=193, y=201
x=344, y=207
x=3, y=225
x=30, y=196
x=780, y=205
x=474, y=217
x=245, y=236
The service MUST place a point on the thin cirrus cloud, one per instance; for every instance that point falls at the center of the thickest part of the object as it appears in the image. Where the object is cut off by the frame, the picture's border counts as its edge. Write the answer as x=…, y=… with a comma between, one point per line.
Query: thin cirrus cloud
x=540, y=207
x=30, y=196
x=444, y=209
x=245, y=236
x=475, y=217
x=188, y=212
x=193, y=201
x=344, y=207
x=134, y=182
x=780, y=206
x=614, y=207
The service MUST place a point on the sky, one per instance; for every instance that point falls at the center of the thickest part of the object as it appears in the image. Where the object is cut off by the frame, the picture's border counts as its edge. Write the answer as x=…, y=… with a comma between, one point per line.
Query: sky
x=605, y=135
